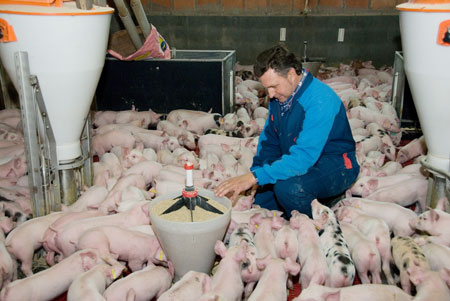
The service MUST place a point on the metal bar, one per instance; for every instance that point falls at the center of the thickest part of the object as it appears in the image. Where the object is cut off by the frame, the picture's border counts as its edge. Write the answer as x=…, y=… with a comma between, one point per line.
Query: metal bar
x=139, y=13
x=84, y=4
x=128, y=23
x=7, y=101
x=86, y=143
x=100, y=3
x=29, y=118
x=50, y=173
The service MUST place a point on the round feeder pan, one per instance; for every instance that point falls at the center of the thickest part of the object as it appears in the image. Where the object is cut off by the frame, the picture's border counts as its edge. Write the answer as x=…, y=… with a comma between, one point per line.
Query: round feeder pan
x=190, y=245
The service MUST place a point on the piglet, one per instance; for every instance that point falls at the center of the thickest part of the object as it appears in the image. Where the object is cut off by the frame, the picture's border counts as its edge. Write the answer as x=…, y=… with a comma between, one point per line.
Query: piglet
x=286, y=243
x=189, y=288
x=435, y=222
x=184, y=137
x=105, y=142
x=49, y=236
x=139, y=249
x=227, y=281
x=70, y=233
x=314, y=266
x=405, y=193
x=145, y=284
x=430, y=285
x=264, y=238
x=8, y=266
x=407, y=254
x=27, y=237
x=250, y=272
x=272, y=285
x=368, y=184
x=366, y=292
x=364, y=253
x=147, y=117
x=411, y=150
x=90, y=198
x=52, y=282
x=92, y=284
x=333, y=245
x=375, y=230
x=438, y=255
x=396, y=217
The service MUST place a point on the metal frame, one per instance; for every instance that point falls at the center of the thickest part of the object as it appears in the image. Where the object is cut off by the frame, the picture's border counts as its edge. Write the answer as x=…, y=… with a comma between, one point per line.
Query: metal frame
x=48, y=179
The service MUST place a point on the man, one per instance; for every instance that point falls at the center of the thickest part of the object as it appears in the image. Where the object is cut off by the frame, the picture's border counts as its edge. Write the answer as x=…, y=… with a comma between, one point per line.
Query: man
x=306, y=149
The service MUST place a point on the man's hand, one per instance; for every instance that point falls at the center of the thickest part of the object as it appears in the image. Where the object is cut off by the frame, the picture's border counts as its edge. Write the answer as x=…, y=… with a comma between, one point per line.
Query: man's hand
x=235, y=185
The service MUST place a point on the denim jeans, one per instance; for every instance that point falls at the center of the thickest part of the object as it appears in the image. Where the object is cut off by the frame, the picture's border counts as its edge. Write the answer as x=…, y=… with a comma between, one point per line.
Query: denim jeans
x=328, y=178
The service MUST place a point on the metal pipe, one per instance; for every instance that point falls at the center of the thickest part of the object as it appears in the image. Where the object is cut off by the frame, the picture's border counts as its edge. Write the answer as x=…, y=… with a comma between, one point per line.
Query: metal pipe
x=128, y=23
x=68, y=186
x=139, y=13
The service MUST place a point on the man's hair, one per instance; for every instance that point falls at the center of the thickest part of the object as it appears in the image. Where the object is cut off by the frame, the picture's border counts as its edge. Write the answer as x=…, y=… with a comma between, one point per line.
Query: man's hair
x=278, y=58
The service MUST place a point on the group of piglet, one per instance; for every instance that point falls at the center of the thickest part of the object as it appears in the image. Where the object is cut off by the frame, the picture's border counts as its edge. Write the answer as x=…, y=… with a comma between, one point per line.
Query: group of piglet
x=103, y=247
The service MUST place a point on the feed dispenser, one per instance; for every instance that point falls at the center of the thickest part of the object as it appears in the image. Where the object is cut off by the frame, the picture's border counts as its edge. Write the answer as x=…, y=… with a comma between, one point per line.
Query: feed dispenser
x=188, y=226
x=425, y=35
x=54, y=53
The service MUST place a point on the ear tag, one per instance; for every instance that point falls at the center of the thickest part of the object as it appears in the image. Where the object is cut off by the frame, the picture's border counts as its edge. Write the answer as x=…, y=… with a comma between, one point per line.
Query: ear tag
x=113, y=272
x=161, y=255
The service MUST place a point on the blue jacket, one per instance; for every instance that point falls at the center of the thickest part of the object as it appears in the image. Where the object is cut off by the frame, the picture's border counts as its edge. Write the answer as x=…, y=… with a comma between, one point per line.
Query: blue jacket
x=315, y=125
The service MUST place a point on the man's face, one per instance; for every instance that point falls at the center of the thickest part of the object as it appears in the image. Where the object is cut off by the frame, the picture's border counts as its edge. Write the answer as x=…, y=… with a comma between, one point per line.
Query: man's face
x=279, y=86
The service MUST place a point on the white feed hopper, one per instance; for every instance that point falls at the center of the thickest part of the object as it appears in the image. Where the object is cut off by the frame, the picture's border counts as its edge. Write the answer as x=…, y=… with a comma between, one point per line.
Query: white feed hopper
x=425, y=34
x=66, y=49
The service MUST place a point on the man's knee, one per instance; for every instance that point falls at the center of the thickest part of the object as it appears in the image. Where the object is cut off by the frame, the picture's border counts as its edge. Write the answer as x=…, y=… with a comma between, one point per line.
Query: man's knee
x=292, y=195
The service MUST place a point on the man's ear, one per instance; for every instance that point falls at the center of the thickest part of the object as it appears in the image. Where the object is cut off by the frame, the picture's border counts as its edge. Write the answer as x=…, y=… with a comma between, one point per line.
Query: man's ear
x=292, y=74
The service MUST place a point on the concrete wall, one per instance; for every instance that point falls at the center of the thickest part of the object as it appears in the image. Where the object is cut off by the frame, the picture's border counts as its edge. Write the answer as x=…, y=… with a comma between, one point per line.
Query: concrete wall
x=249, y=26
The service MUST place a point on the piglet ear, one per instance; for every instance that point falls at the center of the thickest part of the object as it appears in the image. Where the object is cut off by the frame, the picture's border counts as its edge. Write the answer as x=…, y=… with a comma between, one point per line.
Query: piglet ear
x=220, y=248
x=131, y=295
x=88, y=260
x=206, y=284
x=373, y=184
x=291, y=267
x=445, y=275
x=348, y=193
x=434, y=215
x=415, y=274
x=184, y=123
x=225, y=147
x=261, y=263
x=139, y=146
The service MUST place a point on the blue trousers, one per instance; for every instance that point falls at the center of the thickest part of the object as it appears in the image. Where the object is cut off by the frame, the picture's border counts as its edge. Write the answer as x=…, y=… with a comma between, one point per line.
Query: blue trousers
x=327, y=179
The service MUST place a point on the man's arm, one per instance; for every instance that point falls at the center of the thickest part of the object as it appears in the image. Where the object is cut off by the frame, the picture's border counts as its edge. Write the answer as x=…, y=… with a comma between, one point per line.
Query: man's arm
x=268, y=147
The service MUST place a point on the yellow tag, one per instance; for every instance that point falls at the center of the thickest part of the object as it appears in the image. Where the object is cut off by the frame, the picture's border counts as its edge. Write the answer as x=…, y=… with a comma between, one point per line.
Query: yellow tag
x=274, y=214
x=317, y=228
x=153, y=190
x=356, y=206
x=113, y=274
x=256, y=226
x=161, y=255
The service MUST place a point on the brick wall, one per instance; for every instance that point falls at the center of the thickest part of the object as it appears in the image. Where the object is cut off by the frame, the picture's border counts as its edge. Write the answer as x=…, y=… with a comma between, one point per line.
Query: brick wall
x=269, y=7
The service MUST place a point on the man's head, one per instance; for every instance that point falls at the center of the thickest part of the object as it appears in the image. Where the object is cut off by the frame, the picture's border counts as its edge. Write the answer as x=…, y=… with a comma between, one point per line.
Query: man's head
x=279, y=71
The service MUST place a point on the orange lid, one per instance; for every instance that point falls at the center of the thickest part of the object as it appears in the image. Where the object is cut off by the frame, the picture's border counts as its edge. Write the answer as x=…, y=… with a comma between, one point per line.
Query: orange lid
x=57, y=3
x=429, y=1
x=425, y=6
x=49, y=7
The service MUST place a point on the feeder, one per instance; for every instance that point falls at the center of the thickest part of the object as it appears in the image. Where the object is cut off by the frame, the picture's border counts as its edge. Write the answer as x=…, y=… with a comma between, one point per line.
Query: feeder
x=425, y=34
x=54, y=53
x=190, y=245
